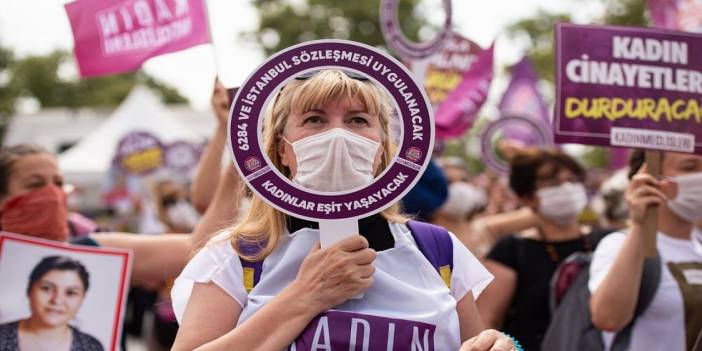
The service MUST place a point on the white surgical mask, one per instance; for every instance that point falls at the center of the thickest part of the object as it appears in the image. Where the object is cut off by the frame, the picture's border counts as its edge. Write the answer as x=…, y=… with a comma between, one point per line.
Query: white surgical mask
x=697, y=240
x=183, y=214
x=562, y=204
x=688, y=203
x=463, y=199
x=336, y=160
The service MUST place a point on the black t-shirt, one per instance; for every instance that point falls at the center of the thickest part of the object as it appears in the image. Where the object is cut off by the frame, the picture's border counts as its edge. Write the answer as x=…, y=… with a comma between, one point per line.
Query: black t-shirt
x=528, y=315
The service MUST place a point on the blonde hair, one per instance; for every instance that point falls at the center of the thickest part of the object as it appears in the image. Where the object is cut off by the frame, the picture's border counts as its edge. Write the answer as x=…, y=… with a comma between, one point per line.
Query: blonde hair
x=261, y=228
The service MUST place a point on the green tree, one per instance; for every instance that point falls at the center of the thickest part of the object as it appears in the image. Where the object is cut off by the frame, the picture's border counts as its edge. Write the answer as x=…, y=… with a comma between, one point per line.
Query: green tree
x=625, y=12
x=40, y=77
x=6, y=93
x=284, y=23
x=538, y=30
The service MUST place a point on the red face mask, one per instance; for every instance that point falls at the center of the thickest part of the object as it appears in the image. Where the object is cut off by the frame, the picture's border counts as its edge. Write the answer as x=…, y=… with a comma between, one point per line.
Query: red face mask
x=41, y=213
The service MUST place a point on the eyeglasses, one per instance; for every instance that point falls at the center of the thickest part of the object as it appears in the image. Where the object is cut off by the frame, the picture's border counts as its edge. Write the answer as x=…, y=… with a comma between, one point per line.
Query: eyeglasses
x=350, y=74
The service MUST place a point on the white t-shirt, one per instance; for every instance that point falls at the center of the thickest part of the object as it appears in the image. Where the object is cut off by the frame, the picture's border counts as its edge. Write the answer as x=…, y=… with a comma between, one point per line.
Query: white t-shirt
x=413, y=290
x=662, y=326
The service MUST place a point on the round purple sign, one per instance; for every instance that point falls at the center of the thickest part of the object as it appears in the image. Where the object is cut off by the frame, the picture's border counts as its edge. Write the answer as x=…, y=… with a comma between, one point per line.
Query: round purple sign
x=182, y=156
x=392, y=32
x=492, y=160
x=408, y=164
x=139, y=153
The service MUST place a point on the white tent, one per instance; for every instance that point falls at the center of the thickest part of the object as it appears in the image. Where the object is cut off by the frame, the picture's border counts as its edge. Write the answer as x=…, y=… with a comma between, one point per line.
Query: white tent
x=142, y=110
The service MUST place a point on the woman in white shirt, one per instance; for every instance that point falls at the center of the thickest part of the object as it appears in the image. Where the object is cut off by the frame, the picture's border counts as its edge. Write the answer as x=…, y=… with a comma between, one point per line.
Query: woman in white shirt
x=305, y=296
x=673, y=320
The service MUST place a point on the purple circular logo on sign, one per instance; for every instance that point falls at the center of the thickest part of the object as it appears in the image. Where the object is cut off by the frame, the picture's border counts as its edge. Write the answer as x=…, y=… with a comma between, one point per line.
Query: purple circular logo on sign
x=494, y=162
x=248, y=110
x=392, y=32
x=252, y=163
x=139, y=153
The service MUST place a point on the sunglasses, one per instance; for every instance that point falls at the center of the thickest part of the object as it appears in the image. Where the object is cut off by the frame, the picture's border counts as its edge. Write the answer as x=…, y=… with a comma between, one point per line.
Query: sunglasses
x=307, y=75
x=350, y=74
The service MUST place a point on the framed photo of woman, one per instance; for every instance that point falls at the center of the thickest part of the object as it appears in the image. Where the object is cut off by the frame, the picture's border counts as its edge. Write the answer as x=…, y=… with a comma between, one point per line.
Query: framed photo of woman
x=61, y=297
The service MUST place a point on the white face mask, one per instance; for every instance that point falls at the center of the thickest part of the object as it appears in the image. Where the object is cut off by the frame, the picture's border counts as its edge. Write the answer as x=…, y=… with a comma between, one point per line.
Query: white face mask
x=183, y=214
x=462, y=199
x=336, y=160
x=688, y=203
x=562, y=204
x=697, y=240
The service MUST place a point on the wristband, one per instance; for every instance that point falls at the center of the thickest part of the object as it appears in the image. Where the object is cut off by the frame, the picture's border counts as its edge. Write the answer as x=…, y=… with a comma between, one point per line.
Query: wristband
x=516, y=343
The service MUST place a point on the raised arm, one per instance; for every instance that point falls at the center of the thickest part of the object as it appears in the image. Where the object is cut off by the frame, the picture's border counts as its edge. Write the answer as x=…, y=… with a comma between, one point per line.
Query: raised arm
x=206, y=178
x=613, y=302
x=159, y=258
x=494, y=227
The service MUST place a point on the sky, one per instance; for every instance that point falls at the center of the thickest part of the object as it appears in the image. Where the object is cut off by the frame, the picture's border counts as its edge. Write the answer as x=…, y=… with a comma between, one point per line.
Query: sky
x=32, y=27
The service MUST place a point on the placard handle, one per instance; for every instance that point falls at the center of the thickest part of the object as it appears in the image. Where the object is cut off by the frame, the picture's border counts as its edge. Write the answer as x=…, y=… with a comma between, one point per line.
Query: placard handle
x=333, y=231
x=650, y=225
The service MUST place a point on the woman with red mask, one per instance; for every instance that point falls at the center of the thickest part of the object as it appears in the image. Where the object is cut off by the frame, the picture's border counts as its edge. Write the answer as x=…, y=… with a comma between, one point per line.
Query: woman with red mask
x=32, y=202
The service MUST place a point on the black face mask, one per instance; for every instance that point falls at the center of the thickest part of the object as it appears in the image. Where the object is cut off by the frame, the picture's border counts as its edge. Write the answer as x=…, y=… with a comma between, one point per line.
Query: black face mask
x=169, y=200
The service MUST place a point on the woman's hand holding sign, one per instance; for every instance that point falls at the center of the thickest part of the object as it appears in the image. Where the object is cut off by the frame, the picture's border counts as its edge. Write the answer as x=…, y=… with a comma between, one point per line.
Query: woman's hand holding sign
x=330, y=276
x=644, y=191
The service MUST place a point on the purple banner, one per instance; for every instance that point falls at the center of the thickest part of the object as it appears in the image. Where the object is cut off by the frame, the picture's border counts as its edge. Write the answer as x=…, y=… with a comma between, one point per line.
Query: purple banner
x=337, y=330
x=522, y=98
x=446, y=68
x=628, y=87
x=618, y=158
x=457, y=113
x=139, y=153
x=684, y=15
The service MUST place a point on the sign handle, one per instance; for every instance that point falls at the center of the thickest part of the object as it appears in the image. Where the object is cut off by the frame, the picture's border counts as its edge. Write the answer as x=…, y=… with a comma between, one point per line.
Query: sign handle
x=336, y=230
x=650, y=228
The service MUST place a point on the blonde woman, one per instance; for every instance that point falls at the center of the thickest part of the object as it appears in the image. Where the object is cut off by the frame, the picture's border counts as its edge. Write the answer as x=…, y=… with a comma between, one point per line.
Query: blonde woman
x=328, y=131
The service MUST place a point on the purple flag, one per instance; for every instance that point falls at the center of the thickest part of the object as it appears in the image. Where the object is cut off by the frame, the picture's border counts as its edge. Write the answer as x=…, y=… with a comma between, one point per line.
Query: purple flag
x=684, y=15
x=456, y=114
x=522, y=98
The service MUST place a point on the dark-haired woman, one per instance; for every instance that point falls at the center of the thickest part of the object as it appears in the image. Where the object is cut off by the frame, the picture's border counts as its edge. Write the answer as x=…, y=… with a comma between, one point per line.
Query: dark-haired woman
x=550, y=184
x=57, y=287
x=33, y=203
x=672, y=321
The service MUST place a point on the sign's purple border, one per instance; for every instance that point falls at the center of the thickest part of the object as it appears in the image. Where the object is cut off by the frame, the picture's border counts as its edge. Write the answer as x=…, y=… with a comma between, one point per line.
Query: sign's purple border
x=260, y=171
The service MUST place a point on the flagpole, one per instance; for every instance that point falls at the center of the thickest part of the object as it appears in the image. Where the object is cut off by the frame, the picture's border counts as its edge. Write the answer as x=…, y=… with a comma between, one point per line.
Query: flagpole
x=215, y=57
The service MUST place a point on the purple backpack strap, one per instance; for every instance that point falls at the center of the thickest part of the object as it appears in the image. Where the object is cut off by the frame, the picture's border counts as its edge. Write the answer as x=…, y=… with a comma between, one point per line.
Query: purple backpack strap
x=251, y=269
x=436, y=245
